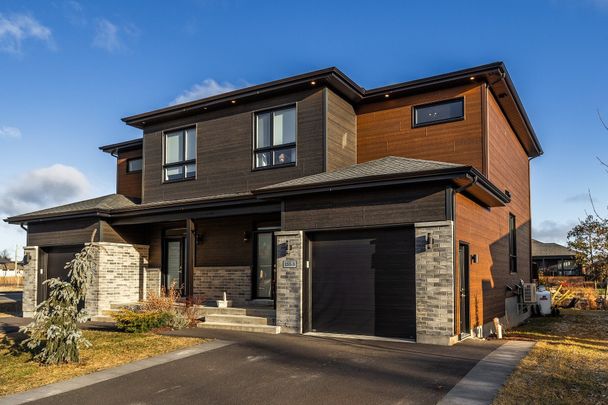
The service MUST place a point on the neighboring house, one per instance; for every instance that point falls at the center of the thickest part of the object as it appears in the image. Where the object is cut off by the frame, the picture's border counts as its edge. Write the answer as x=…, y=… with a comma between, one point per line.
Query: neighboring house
x=552, y=259
x=401, y=211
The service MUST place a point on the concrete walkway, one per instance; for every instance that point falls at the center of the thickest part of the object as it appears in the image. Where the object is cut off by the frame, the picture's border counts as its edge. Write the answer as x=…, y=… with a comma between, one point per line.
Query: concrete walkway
x=482, y=383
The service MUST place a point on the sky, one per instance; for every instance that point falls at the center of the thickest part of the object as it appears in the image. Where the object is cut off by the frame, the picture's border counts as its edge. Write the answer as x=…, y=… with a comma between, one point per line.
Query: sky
x=69, y=70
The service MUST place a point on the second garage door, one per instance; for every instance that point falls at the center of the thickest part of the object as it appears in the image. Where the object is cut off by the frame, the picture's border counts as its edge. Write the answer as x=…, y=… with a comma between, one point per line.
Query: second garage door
x=363, y=282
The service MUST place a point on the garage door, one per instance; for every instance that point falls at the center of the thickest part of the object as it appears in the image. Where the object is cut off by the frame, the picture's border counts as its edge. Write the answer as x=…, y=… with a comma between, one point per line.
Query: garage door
x=363, y=282
x=53, y=260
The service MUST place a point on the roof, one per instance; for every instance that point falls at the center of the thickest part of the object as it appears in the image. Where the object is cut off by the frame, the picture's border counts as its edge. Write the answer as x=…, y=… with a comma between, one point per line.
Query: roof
x=123, y=146
x=542, y=249
x=494, y=74
x=99, y=205
x=390, y=170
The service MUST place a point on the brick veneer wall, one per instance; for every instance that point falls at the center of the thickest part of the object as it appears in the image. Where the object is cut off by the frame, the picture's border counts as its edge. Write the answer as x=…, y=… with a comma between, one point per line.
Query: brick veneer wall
x=289, y=282
x=435, y=283
x=119, y=275
x=211, y=282
x=30, y=281
x=152, y=282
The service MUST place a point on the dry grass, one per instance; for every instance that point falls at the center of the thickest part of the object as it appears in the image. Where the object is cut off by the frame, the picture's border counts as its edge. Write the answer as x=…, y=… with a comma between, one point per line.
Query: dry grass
x=568, y=365
x=18, y=373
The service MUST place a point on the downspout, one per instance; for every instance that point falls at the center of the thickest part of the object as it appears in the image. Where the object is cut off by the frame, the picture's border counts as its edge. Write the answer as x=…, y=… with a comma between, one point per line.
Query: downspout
x=23, y=226
x=466, y=186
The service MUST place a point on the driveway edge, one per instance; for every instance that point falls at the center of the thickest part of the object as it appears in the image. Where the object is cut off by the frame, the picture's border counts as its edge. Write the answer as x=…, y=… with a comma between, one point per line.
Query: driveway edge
x=108, y=374
x=482, y=383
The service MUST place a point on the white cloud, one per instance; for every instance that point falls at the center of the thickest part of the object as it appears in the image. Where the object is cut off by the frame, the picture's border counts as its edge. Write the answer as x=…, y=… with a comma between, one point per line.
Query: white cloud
x=74, y=12
x=43, y=188
x=10, y=133
x=206, y=88
x=112, y=37
x=551, y=231
x=17, y=28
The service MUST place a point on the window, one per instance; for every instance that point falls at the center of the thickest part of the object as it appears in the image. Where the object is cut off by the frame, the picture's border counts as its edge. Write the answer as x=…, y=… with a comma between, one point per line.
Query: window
x=512, y=244
x=275, y=138
x=435, y=113
x=180, y=155
x=134, y=165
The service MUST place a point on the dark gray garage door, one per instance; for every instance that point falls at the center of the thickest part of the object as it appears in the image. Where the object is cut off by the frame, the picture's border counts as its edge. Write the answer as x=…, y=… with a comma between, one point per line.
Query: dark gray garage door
x=53, y=261
x=363, y=282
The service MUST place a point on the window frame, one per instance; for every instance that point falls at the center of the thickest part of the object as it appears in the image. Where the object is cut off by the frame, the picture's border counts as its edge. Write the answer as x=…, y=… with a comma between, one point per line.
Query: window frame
x=129, y=160
x=272, y=148
x=183, y=163
x=434, y=103
x=512, y=243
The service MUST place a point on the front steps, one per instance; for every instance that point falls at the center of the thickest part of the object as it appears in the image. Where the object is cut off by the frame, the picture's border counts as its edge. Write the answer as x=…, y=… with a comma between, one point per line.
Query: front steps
x=259, y=320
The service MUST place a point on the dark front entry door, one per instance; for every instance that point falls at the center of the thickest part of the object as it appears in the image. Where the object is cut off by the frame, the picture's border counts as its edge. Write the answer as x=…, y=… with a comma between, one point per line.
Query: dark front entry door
x=463, y=268
x=173, y=268
x=52, y=261
x=264, y=265
x=363, y=282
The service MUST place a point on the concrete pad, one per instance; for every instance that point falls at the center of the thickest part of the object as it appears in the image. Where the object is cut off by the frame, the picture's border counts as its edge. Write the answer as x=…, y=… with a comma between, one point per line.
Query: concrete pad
x=482, y=383
x=104, y=375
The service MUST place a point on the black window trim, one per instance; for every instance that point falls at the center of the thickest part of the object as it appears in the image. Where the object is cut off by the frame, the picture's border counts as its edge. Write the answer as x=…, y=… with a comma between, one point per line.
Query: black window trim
x=183, y=163
x=512, y=243
x=135, y=171
x=434, y=103
x=289, y=145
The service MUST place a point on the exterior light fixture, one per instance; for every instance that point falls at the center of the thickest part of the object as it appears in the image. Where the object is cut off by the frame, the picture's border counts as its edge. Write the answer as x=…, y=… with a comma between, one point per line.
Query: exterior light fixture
x=474, y=258
x=233, y=101
x=246, y=236
x=472, y=78
x=313, y=83
x=386, y=95
x=429, y=241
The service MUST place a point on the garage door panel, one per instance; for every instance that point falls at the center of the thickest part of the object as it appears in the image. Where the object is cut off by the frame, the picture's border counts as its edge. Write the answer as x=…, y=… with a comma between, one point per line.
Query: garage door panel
x=363, y=282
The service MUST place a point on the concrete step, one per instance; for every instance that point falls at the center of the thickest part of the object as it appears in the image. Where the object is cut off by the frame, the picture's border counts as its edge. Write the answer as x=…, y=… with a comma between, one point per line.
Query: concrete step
x=240, y=319
x=102, y=318
x=240, y=327
x=204, y=311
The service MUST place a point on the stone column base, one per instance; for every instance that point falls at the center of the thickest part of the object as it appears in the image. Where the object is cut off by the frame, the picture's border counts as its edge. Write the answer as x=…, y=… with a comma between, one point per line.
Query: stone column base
x=436, y=340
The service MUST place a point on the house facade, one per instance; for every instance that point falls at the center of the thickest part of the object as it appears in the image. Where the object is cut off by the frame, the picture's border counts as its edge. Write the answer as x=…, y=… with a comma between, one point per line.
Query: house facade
x=401, y=211
x=554, y=260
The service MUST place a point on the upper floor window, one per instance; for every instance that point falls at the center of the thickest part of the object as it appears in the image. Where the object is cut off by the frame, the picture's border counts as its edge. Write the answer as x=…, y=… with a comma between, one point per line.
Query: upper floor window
x=275, y=138
x=180, y=154
x=134, y=165
x=512, y=244
x=435, y=113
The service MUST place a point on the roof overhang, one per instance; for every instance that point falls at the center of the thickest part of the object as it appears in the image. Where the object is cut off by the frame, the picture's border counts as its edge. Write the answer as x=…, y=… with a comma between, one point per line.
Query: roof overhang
x=467, y=179
x=115, y=148
x=494, y=74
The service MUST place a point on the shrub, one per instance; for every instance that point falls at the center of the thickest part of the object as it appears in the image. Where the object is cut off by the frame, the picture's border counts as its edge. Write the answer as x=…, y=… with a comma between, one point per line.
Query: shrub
x=179, y=320
x=139, y=322
x=163, y=302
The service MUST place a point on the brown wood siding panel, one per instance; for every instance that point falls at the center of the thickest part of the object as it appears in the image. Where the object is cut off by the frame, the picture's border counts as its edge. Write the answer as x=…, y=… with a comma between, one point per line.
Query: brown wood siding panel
x=223, y=242
x=487, y=231
x=224, y=150
x=385, y=129
x=128, y=184
x=59, y=233
x=341, y=132
x=365, y=208
x=134, y=234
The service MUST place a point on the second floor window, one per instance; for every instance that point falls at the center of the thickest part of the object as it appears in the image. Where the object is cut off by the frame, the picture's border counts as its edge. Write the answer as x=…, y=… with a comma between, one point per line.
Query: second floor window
x=436, y=113
x=180, y=155
x=134, y=165
x=512, y=244
x=275, y=138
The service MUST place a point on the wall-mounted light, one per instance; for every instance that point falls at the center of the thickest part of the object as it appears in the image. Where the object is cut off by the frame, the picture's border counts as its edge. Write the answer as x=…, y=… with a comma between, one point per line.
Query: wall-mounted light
x=26, y=259
x=246, y=236
x=474, y=258
x=429, y=241
x=199, y=238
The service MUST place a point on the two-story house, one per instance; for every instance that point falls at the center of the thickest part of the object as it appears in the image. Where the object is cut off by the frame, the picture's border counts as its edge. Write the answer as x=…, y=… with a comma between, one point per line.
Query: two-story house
x=401, y=211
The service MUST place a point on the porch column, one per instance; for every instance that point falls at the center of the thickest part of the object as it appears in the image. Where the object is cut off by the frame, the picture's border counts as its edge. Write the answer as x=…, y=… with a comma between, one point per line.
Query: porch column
x=30, y=282
x=290, y=262
x=190, y=252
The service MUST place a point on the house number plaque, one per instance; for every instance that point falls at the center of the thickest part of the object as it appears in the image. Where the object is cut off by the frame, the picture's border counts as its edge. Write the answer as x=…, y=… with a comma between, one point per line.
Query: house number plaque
x=290, y=263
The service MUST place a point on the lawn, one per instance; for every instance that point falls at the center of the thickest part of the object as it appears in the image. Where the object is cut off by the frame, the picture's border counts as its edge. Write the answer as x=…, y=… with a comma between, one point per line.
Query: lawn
x=19, y=373
x=568, y=365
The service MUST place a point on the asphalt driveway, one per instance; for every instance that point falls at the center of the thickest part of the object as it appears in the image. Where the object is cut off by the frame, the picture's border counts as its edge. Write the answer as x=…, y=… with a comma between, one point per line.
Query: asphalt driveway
x=288, y=369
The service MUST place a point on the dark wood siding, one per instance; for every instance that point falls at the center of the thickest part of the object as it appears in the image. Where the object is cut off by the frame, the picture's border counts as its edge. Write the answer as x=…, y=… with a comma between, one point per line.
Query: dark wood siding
x=224, y=150
x=487, y=230
x=128, y=184
x=341, y=132
x=385, y=129
x=363, y=208
x=65, y=232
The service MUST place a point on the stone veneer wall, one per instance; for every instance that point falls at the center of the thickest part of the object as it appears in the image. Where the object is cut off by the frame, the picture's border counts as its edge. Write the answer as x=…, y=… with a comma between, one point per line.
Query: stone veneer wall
x=119, y=276
x=289, y=282
x=435, y=283
x=211, y=282
x=152, y=282
x=30, y=281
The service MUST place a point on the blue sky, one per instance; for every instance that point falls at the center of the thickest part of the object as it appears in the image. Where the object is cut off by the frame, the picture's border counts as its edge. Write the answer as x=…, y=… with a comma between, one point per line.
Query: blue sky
x=69, y=70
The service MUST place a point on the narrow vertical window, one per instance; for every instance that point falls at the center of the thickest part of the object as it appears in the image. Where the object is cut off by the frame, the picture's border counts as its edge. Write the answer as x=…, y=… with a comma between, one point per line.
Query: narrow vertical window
x=180, y=155
x=512, y=244
x=275, y=138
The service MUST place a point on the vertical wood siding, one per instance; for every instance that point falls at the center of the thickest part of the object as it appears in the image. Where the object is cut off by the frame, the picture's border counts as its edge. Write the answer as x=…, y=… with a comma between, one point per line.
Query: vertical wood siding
x=341, y=132
x=128, y=184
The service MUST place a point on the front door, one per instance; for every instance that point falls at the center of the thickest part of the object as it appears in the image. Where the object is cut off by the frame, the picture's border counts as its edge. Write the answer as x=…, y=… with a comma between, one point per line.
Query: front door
x=463, y=267
x=264, y=265
x=173, y=271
